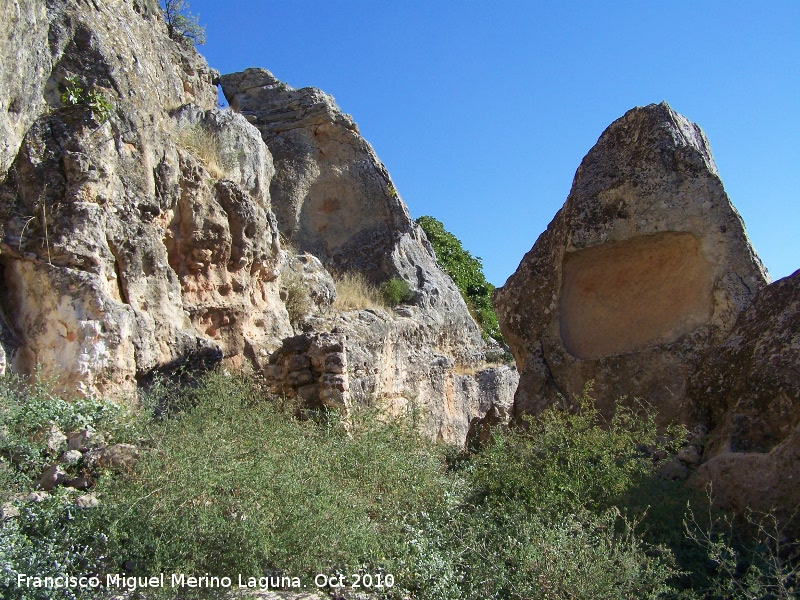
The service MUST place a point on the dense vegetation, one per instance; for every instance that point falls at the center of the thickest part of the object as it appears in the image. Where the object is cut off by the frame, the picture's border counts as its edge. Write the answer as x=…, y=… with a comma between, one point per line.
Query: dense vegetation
x=467, y=273
x=231, y=481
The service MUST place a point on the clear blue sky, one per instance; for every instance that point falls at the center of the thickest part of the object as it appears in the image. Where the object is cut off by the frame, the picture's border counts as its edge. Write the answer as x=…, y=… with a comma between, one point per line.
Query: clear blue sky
x=482, y=110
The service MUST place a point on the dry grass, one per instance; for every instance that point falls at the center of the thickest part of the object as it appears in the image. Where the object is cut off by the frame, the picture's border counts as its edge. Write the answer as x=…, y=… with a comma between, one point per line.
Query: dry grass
x=473, y=370
x=297, y=300
x=354, y=292
x=206, y=147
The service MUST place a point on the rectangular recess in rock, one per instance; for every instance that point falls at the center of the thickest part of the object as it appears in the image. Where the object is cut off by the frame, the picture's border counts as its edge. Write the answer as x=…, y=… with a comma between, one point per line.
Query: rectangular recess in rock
x=622, y=296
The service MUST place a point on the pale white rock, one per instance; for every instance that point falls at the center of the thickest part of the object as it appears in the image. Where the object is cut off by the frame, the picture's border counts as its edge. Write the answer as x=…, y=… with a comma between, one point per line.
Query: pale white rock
x=102, y=222
x=70, y=457
x=87, y=501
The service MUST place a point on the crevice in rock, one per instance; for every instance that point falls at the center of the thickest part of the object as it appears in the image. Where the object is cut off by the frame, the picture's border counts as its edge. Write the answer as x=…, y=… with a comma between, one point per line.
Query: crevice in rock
x=122, y=287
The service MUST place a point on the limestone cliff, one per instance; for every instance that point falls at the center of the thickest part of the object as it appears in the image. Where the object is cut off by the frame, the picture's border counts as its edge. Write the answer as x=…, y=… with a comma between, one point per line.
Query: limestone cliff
x=145, y=235
x=334, y=199
x=120, y=251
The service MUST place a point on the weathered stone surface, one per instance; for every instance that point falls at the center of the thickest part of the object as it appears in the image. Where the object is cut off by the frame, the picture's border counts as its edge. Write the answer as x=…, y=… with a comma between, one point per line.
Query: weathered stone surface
x=121, y=252
x=120, y=457
x=51, y=477
x=87, y=501
x=748, y=388
x=333, y=198
x=748, y=392
x=645, y=267
x=70, y=457
x=137, y=243
x=8, y=511
x=378, y=358
x=306, y=286
x=84, y=439
x=55, y=439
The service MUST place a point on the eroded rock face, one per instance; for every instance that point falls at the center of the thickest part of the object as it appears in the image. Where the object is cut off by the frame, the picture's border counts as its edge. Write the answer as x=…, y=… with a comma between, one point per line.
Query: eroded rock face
x=334, y=199
x=391, y=360
x=121, y=252
x=748, y=391
x=645, y=267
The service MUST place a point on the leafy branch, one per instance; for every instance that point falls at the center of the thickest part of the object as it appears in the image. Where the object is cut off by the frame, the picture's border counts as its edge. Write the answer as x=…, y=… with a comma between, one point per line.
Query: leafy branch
x=73, y=94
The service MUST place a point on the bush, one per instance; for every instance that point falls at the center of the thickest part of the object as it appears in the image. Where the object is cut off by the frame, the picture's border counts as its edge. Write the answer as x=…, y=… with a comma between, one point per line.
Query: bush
x=28, y=409
x=230, y=481
x=236, y=485
x=48, y=539
x=467, y=273
x=73, y=94
x=396, y=291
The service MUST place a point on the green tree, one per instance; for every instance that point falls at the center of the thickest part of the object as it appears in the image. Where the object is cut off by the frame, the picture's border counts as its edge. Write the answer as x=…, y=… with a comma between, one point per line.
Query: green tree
x=181, y=23
x=467, y=273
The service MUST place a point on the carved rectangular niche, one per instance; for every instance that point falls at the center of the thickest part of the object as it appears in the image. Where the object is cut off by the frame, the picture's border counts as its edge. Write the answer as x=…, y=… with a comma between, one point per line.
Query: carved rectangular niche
x=622, y=296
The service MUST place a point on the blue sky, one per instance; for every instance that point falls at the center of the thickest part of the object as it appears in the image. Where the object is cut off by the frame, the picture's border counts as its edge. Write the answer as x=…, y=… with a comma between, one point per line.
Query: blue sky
x=482, y=111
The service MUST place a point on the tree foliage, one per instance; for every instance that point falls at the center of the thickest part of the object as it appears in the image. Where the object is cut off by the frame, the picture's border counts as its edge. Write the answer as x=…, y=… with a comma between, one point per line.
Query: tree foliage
x=182, y=24
x=467, y=273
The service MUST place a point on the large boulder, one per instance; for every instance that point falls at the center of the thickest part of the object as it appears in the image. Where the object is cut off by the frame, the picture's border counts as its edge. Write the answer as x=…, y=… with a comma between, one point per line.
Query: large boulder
x=644, y=268
x=748, y=392
x=123, y=250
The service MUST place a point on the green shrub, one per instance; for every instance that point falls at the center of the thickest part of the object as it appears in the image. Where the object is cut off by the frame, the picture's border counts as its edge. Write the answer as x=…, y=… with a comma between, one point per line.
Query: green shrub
x=230, y=481
x=50, y=538
x=73, y=94
x=396, y=291
x=467, y=273
x=27, y=411
x=236, y=485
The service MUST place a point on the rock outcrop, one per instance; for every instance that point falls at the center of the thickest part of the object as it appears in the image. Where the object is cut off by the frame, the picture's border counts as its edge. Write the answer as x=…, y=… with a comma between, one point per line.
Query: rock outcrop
x=335, y=200
x=139, y=234
x=122, y=249
x=748, y=391
x=645, y=268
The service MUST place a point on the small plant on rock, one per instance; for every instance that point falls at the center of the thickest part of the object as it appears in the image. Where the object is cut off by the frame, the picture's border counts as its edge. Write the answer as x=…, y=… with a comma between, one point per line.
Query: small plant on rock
x=295, y=296
x=206, y=146
x=397, y=291
x=354, y=292
x=73, y=94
